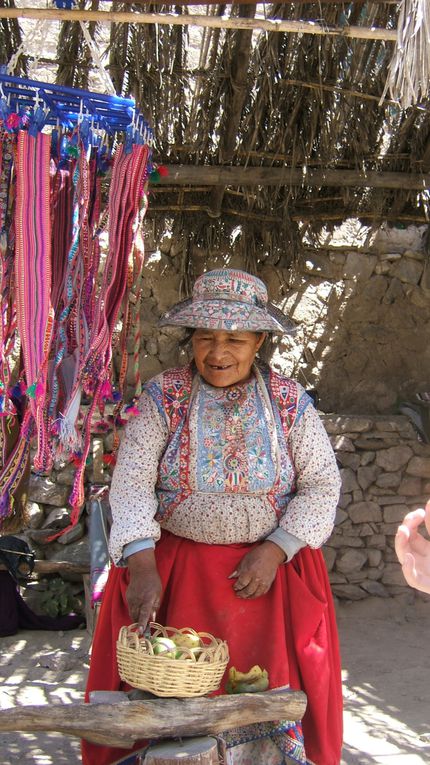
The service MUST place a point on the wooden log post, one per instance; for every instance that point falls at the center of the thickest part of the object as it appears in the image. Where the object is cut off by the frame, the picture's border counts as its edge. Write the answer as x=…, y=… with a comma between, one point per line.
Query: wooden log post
x=123, y=724
x=189, y=751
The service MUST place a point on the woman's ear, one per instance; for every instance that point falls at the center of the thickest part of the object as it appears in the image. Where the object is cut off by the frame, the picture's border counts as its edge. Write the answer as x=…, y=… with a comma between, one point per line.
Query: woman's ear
x=261, y=340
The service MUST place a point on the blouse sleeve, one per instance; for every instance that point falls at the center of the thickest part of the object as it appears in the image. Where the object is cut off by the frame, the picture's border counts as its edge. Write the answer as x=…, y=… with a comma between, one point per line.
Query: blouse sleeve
x=132, y=493
x=311, y=512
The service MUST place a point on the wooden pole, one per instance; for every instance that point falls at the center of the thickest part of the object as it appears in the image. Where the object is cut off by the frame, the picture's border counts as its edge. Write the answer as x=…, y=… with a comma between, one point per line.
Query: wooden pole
x=123, y=724
x=214, y=22
x=56, y=567
x=219, y=175
x=191, y=751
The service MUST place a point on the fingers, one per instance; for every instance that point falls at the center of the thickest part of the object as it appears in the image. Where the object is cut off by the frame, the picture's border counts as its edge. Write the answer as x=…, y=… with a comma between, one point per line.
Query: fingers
x=420, y=580
x=146, y=613
x=142, y=606
x=250, y=587
x=401, y=542
x=427, y=516
x=407, y=536
x=414, y=519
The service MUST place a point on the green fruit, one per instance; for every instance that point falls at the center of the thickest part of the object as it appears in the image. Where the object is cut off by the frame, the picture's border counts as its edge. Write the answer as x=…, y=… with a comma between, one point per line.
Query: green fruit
x=188, y=653
x=163, y=646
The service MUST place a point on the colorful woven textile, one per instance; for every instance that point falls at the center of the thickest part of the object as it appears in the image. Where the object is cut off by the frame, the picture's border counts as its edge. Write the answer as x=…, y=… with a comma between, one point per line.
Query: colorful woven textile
x=51, y=220
x=33, y=278
x=14, y=473
x=126, y=191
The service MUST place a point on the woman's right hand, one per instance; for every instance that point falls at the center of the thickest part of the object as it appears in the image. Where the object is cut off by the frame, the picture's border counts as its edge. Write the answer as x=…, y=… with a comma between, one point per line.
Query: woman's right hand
x=144, y=590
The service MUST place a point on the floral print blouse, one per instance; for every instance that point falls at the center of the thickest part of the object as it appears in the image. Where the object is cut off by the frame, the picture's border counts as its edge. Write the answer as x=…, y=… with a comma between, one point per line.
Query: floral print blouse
x=226, y=474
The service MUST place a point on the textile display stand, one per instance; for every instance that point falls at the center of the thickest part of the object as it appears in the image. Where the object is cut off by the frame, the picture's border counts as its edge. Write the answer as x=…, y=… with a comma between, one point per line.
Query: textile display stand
x=62, y=297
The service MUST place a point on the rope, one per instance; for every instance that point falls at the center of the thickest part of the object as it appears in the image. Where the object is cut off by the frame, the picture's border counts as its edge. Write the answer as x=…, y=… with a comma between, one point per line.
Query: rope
x=37, y=33
x=104, y=75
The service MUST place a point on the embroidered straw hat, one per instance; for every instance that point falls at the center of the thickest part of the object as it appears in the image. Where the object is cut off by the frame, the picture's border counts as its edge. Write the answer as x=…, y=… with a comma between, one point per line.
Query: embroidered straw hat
x=230, y=300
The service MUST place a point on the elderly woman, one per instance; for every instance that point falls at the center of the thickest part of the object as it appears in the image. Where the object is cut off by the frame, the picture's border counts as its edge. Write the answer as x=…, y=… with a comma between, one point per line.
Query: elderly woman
x=225, y=488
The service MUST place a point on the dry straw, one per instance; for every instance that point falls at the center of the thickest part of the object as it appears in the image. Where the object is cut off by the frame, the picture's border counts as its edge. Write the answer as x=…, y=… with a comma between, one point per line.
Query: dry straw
x=195, y=672
x=409, y=71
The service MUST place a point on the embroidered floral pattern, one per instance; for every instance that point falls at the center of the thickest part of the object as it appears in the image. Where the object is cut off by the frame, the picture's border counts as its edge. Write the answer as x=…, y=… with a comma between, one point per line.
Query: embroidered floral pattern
x=232, y=445
x=268, y=743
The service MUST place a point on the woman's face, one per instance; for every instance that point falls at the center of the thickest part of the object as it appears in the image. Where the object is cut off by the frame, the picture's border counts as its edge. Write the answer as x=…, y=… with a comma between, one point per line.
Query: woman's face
x=225, y=358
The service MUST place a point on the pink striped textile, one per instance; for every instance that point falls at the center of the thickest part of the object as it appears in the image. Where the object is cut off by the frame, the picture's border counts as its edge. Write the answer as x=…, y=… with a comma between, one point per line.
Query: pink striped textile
x=33, y=278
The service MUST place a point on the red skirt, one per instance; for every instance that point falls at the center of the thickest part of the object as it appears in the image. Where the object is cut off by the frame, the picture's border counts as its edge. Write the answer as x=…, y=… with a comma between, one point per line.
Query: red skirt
x=291, y=631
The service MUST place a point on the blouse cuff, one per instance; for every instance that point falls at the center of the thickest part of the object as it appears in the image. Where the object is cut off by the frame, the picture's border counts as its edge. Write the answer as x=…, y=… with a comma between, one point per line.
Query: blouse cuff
x=136, y=546
x=286, y=541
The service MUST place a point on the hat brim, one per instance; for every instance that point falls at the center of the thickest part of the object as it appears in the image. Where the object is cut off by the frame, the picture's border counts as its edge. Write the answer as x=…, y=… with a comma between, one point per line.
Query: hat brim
x=227, y=315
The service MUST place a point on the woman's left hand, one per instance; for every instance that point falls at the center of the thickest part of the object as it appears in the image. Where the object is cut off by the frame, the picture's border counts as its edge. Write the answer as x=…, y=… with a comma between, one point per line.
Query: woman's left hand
x=256, y=571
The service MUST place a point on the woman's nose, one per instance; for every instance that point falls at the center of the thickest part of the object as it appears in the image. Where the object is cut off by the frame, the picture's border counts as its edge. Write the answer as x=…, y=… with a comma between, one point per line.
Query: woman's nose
x=218, y=347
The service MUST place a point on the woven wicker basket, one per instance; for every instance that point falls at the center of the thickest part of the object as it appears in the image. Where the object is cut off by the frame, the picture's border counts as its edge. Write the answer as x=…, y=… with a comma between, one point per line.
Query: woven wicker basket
x=195, y=671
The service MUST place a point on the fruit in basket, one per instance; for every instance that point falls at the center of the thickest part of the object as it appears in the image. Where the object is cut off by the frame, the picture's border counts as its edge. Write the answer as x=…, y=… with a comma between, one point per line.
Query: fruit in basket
x=253, y=681
x=187, y=640
x=163, y=646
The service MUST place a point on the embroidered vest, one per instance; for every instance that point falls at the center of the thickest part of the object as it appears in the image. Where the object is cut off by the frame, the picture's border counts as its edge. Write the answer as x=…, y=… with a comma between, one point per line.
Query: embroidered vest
x=173, y=398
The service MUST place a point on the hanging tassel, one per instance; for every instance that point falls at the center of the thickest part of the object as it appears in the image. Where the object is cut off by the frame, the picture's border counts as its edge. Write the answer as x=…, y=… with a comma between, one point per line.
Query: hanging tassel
x=40, y=391
x=68, y=436
x=72, y=151
x=106, y=390
x=154, y=176
x=31, y=391
x=163, y=171
x=132, y=410
x=13, y=121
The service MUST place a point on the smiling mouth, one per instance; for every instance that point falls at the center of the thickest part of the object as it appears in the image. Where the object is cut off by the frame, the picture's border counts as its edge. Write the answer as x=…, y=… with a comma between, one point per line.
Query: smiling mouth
x=219, y=368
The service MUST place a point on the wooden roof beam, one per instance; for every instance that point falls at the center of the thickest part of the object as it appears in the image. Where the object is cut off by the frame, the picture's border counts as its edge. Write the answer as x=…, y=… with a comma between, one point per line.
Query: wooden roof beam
x=241, y=45
x=217, y=175
x=224, y=22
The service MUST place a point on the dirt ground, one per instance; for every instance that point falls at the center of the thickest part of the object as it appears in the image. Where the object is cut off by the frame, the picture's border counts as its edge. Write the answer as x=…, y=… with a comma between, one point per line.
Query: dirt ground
x=386, y=673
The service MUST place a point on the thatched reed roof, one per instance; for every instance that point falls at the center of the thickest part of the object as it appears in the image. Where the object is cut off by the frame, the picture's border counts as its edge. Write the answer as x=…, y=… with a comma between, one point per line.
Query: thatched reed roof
x=300, y=111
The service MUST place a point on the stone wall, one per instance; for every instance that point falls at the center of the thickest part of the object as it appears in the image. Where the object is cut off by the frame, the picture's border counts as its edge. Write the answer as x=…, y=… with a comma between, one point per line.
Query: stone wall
x=385, y=473
x=362, y=308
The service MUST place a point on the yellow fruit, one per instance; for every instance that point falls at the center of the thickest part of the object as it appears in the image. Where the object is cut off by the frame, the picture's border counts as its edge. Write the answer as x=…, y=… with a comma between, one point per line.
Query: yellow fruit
x=255, y=680
x=248, y=677
x=187, y=640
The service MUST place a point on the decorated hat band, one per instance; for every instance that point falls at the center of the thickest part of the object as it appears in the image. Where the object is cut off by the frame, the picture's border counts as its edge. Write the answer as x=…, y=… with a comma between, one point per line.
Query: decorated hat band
x=230, y=300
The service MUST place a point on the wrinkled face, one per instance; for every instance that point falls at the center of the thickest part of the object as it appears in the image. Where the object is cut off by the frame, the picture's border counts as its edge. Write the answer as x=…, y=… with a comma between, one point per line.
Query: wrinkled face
x=225, y=358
